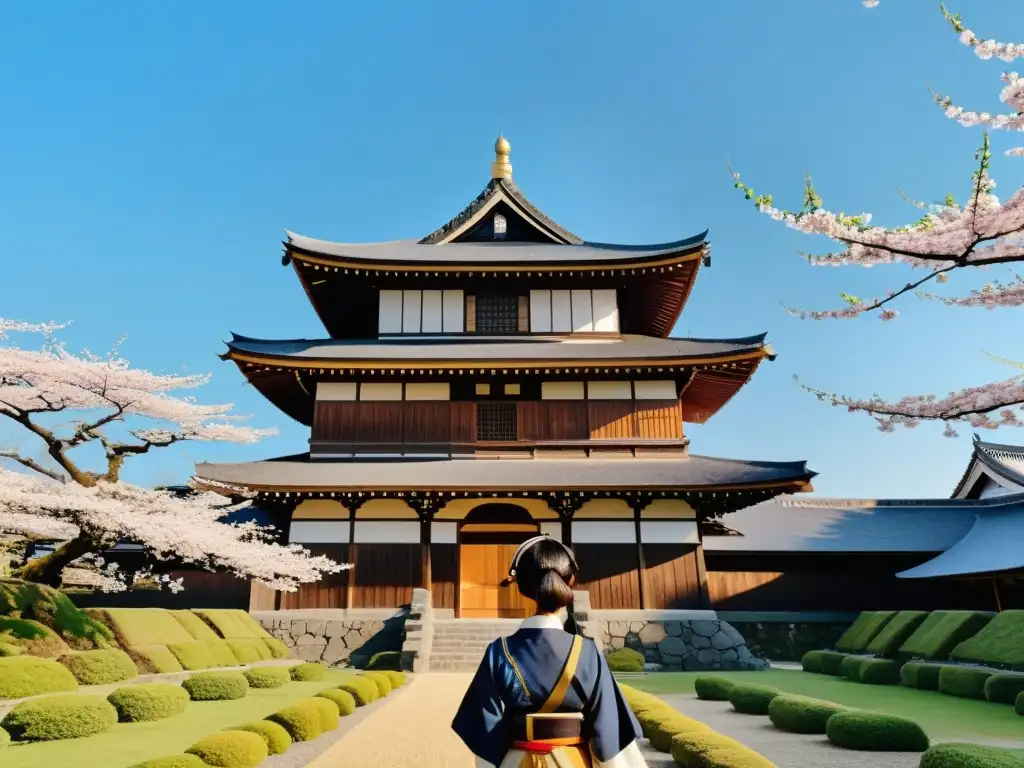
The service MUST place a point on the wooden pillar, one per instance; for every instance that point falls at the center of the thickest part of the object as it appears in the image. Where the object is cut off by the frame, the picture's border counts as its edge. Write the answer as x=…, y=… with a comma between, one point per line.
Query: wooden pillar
x=637, y=505
x=425, y=509
x=352, y=505
x=702, y=570
x=995, y=590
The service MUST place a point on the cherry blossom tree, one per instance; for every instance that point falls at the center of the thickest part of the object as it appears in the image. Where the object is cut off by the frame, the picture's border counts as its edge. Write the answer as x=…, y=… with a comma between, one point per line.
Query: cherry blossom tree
x=122, y=412
x=981, y=232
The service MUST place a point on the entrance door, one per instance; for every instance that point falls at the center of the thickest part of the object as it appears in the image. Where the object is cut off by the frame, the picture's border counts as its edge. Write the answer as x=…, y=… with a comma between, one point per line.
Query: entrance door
x=481, y=570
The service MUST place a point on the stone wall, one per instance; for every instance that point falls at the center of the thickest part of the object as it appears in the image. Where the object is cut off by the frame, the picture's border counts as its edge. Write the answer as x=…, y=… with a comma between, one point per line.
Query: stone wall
x=341, y=641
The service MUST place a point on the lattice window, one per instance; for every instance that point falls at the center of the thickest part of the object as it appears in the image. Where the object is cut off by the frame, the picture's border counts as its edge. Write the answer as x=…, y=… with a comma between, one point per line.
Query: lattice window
x=496, y=422
x=497, y=314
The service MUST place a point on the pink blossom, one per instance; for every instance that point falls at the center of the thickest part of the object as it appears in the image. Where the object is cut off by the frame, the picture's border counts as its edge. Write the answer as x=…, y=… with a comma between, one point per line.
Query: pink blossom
x=992, y=296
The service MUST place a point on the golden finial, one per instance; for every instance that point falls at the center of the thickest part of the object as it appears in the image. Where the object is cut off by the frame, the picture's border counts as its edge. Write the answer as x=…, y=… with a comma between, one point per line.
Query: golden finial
x=501, y=168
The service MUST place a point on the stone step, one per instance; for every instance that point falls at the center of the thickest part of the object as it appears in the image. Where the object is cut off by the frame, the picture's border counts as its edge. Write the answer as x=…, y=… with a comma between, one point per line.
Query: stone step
x=479, y=639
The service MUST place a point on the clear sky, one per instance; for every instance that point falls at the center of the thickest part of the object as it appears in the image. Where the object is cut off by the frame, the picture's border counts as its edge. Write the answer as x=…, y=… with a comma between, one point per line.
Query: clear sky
x=154, y=154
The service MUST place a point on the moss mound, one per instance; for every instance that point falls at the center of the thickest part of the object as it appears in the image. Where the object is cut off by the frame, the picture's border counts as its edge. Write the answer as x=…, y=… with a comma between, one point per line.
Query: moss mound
x=625, y=660
x=863, y=631
x=308, y=673
x=849, y=667
x=100, y=667
x=248, y=650
x=60, y=717
x=328, y=712
x=397, y=678
x=231, y=749
x=195, y=626
x=173, y=761
x=32, y=637
x=22, y=676
x=920, y=674
x=752, y=699
x=146, y=702
x=823, y=662
x=875, y=732
x=364, y=691
x=155, y=657
x=1004, y=687
x=267, y=677
x=54, y=609
x=880, y=672
x=277, y=738
x=896, y=631
x=233, y=623
x=1000, y=642
x=278, y=650
x=216, y=686
x=382, y=681
x=713, y=750
x=343, y=700
x=193, y=655
x=941, y=632
x=302, y=720
x=801, y=714
x=713, y=688
x=969, y=756
x=965, y=682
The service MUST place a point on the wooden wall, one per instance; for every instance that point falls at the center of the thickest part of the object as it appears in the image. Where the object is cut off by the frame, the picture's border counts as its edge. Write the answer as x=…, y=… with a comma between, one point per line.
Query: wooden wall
x=670, y=576
x=444, y=574
x=202, y=590
x=610, y=573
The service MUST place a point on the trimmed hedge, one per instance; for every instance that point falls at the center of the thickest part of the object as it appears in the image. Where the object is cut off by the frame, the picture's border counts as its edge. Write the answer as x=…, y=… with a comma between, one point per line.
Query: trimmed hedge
x=364, y=691
x=752, y=699
x=823, y=662
x=965, y=682
x=880, y=672
x=1004, y=687
x=173, y=761
x=713, y=750
x=969, y=756
x=147, y=626
x=382, y=681
x=713, y=687
x=397, y=678
x=248, y=650
x=1000, y=643
x=230, y=749
x=921, y=674
x=801, y=714
x=663, y=725
x=193, y=655
x=216, y=686
x=22, y=676
x=301, y=720
x=896, y=631
x=145, y=702
x=625, y=660
x=233, y=623
x=1018, y=705
x=157, y=656
x=941, y=632
x=276, y=736
x=195, y=626
x=385, y=660
x=278, y=650
x=267, y=677
x=863, y=631
x=875, y=732
x=328, y=711
x=343, y=700
x=222, y=653
x=850, y=667
x=308, y=672
x=32, y=637
x=102, y=667
x=812, y=662
x=60, y=717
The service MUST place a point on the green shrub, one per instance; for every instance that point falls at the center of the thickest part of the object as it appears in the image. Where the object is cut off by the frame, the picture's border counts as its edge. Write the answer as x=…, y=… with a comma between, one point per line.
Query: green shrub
x=222, y=653
x=267, y=677
x=896, y=632
x=148, y=701
x=216, y=686
x=920, y=674
x=965, y=682
x=155, y=657
x=54, y=609
x=831, y=662
x=308, y=673
x=752, y=699
x=1018, y=705
x=195, y=626
x=277, y=737
x=278, y=650
x=173, y=761
x=147, y=626
x=70, y=716
x=1004, y=687
x=32, y=637
x=302, y=720
x=713, y=687
x=231, y=749
x=801, y=714
x=665, y=724
x=397, y=678
x=625, y=660
x=875, y=732
x=713, y=750
x=8, y=646
x=233, y=623
x=1000, y=643
x=863, y=631
x=22, y=676
x=327, y=710
x=941, y=632
x=812, y=661
x=101, y=667
x=969, y=756
x=345, y=701
x=248, y=650
x=364, y=691
x=850, y=667
x=388, y=660
x=880, y=672
x=382, y=681
x=193, y=655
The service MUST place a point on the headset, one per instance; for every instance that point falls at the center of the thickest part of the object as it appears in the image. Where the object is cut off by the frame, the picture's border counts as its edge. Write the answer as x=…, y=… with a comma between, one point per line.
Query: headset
x=529, y=543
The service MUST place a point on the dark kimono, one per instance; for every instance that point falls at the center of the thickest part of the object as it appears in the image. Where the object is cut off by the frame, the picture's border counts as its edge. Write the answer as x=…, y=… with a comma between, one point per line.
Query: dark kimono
x=536, y=701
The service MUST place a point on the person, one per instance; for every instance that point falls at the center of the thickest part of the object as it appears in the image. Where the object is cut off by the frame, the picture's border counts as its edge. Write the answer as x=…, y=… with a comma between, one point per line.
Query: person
x=543, y=697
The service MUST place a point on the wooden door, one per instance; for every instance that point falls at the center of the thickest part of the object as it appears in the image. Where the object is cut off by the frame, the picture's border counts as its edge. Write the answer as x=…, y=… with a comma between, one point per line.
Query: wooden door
x=481, y=570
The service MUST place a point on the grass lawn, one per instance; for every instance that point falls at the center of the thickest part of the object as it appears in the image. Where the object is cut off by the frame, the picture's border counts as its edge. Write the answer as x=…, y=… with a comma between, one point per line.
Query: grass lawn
x=131, y=743
x=942, y=716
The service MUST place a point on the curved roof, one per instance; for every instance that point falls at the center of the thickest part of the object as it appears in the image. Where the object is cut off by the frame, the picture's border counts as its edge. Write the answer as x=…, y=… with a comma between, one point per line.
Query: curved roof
x=998, y=460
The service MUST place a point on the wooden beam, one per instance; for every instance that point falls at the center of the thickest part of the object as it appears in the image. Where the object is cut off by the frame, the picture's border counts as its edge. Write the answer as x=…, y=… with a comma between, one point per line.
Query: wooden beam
x=641, y=567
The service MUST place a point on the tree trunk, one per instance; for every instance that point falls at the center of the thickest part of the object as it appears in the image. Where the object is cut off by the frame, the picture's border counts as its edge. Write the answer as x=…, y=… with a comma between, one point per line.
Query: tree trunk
x=48, y=568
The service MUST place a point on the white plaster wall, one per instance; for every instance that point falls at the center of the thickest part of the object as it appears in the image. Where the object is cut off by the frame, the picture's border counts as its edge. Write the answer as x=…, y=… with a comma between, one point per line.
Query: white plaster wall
x=412, y=302
x=444, y=533
x=603, y=532
x=606, y=310
x=452, y=312
x=389, y=319
x=380, y=391
x=561, y=390
x=334, y=391
x=554, y=530
x=669, y=532
x=655, y=390
x=582, y=312
x=432, y=312
x=609, y=390
x=540, y=311
x=320, y=509
x=428, y=391
x=561, y=311
x=319, y=532
x=386, y=531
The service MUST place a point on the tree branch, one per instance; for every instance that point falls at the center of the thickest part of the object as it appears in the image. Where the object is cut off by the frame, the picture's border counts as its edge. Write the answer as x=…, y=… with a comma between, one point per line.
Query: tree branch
x=32, y=464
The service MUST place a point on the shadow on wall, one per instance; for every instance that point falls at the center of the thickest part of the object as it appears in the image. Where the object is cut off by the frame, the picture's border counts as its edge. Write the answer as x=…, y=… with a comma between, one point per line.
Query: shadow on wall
x=390, y=638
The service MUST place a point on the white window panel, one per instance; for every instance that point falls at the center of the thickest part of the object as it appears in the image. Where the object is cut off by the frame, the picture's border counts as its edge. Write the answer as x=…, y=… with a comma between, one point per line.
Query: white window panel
x=669, y=532
x=603, y=532
x=606, y=311
x=431, y=391
x=582, y=312
x=561, y=390
x=540, y=311
x=561, y=311
x=318, y=532
x=411, y=307
x=390, y=315
x=554, y=530
x=339, y=390
x=432, y=312
x=381, y=391
x=452, y=312
x=655, y=390
x=444, y=533
x=386, y=531
x=609, y=390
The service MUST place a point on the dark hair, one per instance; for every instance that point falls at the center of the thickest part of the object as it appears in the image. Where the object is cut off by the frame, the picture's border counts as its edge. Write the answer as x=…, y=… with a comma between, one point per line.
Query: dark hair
x=544, y=574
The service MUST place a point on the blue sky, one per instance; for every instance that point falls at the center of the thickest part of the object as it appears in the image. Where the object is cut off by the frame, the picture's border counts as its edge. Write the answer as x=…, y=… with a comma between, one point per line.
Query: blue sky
x=154, y=156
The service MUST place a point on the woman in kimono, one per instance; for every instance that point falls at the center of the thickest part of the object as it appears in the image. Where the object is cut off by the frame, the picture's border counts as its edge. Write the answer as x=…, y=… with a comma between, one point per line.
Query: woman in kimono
x=542, y=697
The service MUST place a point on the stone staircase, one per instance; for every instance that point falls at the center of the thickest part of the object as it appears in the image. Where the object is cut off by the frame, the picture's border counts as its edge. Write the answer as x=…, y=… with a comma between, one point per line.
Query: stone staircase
x=458, y=644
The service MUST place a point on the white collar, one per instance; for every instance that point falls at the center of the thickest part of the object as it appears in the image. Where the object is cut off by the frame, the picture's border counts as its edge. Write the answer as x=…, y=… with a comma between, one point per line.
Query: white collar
x=542, y=621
